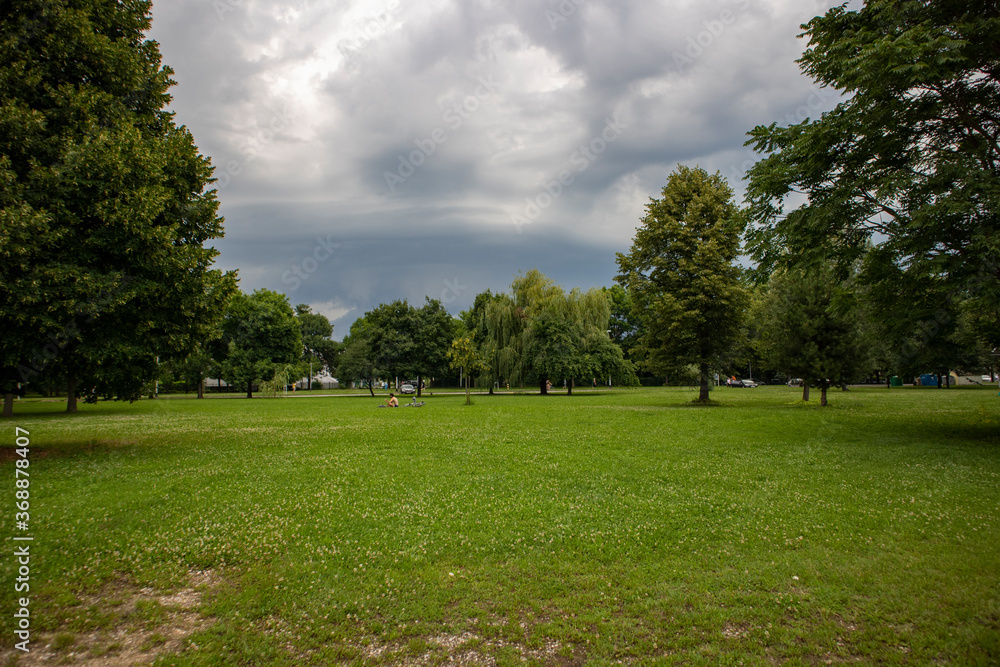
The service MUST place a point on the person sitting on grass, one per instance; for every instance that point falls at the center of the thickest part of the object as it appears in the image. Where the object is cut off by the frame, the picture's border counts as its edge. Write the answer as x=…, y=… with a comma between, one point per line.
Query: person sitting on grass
x=393, y=402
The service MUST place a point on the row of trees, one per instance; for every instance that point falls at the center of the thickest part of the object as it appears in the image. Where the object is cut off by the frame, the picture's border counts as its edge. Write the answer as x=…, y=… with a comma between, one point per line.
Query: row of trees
x=537, y=334
x=684, y=306
x=874, y=229
x=887, y=209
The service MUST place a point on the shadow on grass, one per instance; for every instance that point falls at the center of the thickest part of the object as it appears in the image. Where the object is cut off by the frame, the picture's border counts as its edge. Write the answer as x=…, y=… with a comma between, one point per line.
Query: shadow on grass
x=67, y=449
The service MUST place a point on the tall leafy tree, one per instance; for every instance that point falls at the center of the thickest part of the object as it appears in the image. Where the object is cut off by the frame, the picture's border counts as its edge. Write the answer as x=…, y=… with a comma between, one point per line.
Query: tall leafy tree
x=909, y=161
x=410, y=342
x=918, y=323
x=624, y=327
x=433, y=335
x=810, y=327
x=501, y=346
x=390, y=335
x=100, y=194
x=357, y=358
x=260, y=337
x=551, y=347
x=682, y=275
x=319, y=349
x=465, y=356
x=479, y=322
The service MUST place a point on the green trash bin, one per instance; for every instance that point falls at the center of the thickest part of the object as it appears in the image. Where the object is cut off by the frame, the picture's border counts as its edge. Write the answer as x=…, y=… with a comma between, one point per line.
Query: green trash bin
x=895, y=381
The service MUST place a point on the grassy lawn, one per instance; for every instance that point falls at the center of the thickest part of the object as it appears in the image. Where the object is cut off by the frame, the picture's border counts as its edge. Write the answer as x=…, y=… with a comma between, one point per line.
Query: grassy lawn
x=603, y=528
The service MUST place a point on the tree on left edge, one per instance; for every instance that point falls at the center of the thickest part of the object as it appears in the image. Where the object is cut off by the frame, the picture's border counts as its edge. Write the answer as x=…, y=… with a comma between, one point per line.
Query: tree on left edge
x=104, y=213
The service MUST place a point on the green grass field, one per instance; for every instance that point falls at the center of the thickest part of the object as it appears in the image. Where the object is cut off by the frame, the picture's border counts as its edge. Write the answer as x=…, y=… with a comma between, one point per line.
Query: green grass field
x=622, y=527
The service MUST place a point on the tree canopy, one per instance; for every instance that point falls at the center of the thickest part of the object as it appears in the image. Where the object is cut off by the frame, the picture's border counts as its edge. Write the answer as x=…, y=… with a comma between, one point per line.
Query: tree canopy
x=810, y=327
x=905, y=171
x=260, y=339
x=103, y=203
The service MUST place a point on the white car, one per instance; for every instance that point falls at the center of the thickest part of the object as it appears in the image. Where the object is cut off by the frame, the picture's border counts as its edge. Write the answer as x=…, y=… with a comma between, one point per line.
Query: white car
x=406, y=388
x=987, y=378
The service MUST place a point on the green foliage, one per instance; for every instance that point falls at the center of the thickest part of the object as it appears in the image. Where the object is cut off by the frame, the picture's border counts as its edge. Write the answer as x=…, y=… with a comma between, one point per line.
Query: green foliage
x=464, y=355
x=317, y=340
x=260, y=336
x=542, y=333
x=810, y=327
x=624, y=327
x=409, y=342
x=909, y=161
x=104, y=214
x=356, y=362
x=682, y=277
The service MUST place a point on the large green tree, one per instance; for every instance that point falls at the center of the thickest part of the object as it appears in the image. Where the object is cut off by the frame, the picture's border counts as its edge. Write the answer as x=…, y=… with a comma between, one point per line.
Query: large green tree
x=319, y=349
x=356, y=361
x=908, y=162
x=682, y=275
x=410, y=342
x=260, y=338
x=433, y=335
x=810, y=326
x=104, y=212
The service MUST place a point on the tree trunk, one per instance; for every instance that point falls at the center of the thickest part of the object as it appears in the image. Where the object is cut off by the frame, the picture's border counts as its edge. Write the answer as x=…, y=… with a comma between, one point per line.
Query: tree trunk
x=418, y=386
x=201, y=387
x=569, y=388
x=468, y=390
x=71, y=394
x=544, y=390
x=371, y=388
x=939, y=380
x=805, y=391
x=822, y=396
x=703, y=390
x=8, y=404
x=250, y=389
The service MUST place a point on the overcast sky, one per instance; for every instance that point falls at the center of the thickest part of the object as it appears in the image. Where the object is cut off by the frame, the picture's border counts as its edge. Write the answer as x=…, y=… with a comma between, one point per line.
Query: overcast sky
x=373, y=150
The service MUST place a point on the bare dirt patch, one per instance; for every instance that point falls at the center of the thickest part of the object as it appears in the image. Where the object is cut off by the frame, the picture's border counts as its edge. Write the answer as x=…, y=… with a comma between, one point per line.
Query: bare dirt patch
x=152, y=623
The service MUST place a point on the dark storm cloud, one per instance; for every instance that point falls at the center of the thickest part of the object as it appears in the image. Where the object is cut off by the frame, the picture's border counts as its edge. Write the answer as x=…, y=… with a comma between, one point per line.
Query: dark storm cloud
x=466, y=139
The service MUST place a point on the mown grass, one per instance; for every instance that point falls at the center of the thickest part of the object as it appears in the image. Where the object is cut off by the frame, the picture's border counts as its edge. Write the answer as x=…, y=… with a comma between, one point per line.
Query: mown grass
x=599, y=528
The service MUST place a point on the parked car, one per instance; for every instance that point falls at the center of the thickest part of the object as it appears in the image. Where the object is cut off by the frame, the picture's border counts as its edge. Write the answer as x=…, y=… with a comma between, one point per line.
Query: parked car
x=987, y=378
x=407, y=388
x=795, y=382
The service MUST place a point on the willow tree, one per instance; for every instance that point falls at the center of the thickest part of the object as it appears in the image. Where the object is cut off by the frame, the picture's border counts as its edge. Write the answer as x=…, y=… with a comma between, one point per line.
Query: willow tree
x=541, y=333
x=682, y=275
x=501, y=346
